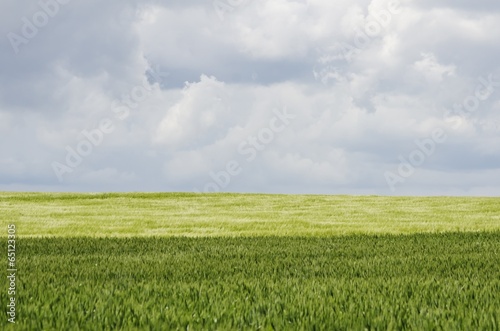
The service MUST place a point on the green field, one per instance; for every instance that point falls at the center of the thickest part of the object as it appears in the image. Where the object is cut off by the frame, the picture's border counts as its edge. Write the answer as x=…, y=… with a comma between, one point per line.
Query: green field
x=253, y=262
x=191, y=214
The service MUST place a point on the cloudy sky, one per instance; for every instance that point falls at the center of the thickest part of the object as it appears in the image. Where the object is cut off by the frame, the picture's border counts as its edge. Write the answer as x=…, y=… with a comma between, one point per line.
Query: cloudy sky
x=283, y=96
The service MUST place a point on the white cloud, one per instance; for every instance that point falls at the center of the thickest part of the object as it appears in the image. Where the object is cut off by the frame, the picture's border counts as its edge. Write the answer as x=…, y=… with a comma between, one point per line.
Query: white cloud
x=200, y=115
x=225, y=79
x=432, y=70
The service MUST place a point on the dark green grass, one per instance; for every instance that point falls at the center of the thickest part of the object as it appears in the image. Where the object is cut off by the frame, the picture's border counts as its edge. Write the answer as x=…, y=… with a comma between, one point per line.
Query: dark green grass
x=420, y=282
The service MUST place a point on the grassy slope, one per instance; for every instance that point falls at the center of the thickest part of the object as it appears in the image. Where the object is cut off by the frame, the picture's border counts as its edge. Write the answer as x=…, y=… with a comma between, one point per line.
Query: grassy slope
x=184, y=214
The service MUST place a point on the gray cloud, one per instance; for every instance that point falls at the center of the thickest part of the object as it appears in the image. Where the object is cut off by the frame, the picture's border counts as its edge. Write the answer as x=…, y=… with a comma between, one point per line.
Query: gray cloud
x=183, y=90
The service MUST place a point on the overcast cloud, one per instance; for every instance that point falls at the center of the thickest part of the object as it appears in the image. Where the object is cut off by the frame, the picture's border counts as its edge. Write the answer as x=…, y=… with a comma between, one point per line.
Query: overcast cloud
x=283, y=96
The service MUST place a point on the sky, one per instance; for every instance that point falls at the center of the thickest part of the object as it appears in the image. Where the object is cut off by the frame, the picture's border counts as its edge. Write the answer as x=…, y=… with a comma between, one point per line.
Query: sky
x=284, y=96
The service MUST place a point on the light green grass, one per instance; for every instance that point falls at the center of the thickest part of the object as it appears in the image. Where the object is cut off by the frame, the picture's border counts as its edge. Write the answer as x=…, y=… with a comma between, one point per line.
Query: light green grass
x=198, y=215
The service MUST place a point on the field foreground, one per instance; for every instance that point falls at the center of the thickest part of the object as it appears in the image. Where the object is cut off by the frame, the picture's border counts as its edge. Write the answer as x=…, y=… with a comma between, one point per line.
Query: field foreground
x=417, y=282
x=230, y=261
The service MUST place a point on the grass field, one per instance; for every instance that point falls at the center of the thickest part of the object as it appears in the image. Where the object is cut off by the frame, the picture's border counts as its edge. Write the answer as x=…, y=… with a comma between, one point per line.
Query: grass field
x=229, y=262
x=191, y=214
